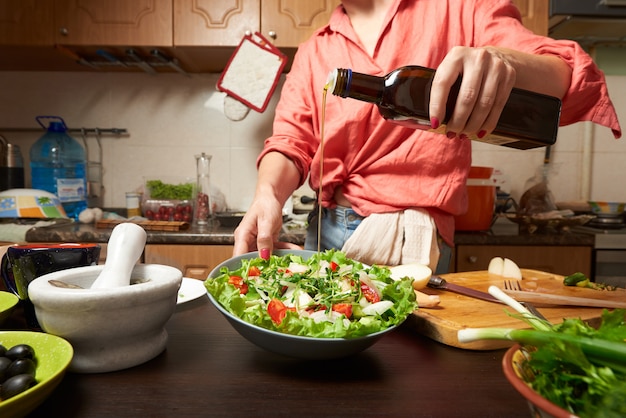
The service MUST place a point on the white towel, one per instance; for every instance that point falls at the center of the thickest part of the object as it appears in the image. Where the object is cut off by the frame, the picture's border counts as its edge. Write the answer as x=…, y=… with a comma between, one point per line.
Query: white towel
x=395, y=238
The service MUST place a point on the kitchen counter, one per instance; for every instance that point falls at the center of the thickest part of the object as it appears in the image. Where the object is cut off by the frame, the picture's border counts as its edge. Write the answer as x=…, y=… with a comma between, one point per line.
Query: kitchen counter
x=503, y=232
x=208, y=369
x=211, y=235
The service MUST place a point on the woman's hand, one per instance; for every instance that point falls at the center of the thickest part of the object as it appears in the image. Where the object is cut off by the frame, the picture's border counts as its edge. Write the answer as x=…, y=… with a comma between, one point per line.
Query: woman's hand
x=489, y=74
x=488, y=78
x=260, y=228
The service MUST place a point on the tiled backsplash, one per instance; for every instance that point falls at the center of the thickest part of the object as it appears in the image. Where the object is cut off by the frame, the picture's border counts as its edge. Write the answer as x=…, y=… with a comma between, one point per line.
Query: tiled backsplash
x=171, y=118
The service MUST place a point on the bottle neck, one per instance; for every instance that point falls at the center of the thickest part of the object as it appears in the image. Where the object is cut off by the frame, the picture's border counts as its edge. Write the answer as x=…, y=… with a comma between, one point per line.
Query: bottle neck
x=347, y=83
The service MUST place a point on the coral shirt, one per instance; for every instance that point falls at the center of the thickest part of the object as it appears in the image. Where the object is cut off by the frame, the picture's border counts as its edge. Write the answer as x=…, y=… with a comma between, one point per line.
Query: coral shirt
x=383, y=167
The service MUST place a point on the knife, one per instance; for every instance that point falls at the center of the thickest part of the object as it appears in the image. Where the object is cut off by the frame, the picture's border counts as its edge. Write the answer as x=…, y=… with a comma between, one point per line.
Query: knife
x=437, y=282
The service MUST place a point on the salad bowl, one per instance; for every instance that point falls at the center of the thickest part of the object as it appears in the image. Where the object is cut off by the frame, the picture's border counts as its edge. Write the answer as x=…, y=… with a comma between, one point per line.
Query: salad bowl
x=296, y=346
x=516, y=374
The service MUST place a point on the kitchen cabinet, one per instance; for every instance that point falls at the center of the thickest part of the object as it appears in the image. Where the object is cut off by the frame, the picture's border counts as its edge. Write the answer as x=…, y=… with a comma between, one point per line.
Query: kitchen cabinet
x=195, y=261
x=26, y=22
x=114, y=22
x=534, y=15
x=286, y=23
x=561, y=259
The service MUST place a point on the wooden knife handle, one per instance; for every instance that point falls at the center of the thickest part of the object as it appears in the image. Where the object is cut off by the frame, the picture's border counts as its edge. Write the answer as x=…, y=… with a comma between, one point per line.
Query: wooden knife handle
x=548, y=298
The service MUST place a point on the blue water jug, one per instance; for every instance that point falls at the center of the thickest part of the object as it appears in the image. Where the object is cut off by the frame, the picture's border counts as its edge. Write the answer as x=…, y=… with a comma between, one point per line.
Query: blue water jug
x=57, y=164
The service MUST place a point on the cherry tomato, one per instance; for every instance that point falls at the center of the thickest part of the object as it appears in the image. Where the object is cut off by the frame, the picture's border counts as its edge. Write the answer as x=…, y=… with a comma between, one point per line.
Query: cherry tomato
x=278, y=311
x=333, y=266
x=369, y=293
x=254, y=271
x=343, y=308
x=239, y=283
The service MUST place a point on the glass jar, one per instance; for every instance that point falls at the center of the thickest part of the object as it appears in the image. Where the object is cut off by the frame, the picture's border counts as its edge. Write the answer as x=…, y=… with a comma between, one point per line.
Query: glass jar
x=203, y=209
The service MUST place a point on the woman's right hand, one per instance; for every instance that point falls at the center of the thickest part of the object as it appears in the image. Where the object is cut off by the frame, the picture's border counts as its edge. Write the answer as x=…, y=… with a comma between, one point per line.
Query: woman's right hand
x=260, y=227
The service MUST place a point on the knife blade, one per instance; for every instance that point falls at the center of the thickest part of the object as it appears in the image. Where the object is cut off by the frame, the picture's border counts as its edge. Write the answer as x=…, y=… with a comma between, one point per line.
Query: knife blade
x=437, y=282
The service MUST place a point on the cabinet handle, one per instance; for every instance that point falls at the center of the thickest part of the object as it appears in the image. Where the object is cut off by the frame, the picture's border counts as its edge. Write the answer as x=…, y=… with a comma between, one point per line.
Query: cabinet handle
x=64, y=31
x=472, y=259
x=272, y=34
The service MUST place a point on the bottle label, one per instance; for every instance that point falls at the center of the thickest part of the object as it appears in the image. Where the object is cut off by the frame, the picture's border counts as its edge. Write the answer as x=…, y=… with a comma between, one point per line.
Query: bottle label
x=71, y=190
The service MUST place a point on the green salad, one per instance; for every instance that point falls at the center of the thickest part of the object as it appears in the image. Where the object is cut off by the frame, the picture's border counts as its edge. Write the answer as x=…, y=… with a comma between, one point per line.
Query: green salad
x=325, y=296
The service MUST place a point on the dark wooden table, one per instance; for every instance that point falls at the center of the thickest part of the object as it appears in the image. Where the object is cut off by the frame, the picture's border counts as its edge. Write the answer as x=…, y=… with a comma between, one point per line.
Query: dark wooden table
x=208, y=369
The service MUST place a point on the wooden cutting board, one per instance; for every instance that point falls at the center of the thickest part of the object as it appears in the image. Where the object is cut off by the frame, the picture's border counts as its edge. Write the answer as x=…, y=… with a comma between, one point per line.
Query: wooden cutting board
x=456, y=311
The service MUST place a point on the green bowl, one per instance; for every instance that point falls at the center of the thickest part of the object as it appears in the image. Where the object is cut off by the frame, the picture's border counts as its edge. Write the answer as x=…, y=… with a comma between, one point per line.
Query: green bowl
x=53, y=355
x=8, y=302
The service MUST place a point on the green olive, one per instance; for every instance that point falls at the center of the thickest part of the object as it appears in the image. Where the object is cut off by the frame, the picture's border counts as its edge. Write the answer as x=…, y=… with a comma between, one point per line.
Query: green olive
x=16, y=385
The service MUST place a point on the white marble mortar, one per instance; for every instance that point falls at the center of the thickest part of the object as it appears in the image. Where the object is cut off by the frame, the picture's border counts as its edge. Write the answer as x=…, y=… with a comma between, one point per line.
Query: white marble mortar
x=110, y=329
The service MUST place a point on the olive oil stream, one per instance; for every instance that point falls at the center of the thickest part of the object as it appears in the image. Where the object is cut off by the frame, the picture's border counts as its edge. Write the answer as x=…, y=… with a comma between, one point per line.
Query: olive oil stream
x=319, y=192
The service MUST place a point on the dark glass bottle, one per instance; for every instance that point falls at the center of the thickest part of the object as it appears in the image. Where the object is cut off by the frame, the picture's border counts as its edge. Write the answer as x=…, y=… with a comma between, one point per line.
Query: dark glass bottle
x=528, y=120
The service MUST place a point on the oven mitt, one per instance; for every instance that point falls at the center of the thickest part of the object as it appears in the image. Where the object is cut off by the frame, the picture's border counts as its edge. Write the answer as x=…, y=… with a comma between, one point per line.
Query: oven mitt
x=251, y=76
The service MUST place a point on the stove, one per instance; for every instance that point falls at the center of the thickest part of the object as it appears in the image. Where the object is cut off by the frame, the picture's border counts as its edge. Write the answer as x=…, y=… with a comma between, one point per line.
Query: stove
x=609, y=255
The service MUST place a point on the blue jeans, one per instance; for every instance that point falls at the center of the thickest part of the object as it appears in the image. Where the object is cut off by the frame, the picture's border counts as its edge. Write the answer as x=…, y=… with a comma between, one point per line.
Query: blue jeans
x=339, y=223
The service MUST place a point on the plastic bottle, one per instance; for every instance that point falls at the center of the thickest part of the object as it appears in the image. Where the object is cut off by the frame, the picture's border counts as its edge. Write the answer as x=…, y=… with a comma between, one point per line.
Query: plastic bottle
x=529, y=119
x=57, y=163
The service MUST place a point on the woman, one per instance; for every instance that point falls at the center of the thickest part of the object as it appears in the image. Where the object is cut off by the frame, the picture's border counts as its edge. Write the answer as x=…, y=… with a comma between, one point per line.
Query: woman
x=404, y=186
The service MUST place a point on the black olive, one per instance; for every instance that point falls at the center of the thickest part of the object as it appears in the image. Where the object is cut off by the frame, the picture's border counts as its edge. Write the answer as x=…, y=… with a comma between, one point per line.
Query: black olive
x=3, y=351
x=5, y=362
x=21, y=351
x=16, y=385
x=21, y=366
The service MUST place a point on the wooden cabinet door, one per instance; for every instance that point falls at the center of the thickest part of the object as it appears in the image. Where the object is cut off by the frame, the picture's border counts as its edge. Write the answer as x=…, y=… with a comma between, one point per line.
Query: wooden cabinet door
x=27, y=22
x=214, y=22
x=114, y=22
x=195, y=261
x=534, y=15
x=288, y=23
x=563, y=260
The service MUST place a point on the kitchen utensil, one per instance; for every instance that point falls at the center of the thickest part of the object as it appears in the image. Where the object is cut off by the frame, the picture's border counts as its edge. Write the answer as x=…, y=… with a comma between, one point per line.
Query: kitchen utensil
x=22, y=264
x=456, y=312
x=551, y=299
x=140, y=62
x=11, y=166
x=30, y=203
x=481, y=195
x=53, y=358
x=110, y=329
x=8, y=302
x=607, y=208
x=437, y=282
x=124, y=248
x=514, y=285
x=170, y=62
x=203, y=208
x=296, y=346
x=514, y=371
x=69, y=53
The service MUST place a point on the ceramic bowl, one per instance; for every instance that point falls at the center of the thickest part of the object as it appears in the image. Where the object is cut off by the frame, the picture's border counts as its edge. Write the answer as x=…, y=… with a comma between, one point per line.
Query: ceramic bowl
x=52, y=355
x=8, y=302
x=607, y=208
x=110, y=329
x=30, y=203
x=539, y=406
x=301, y=347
